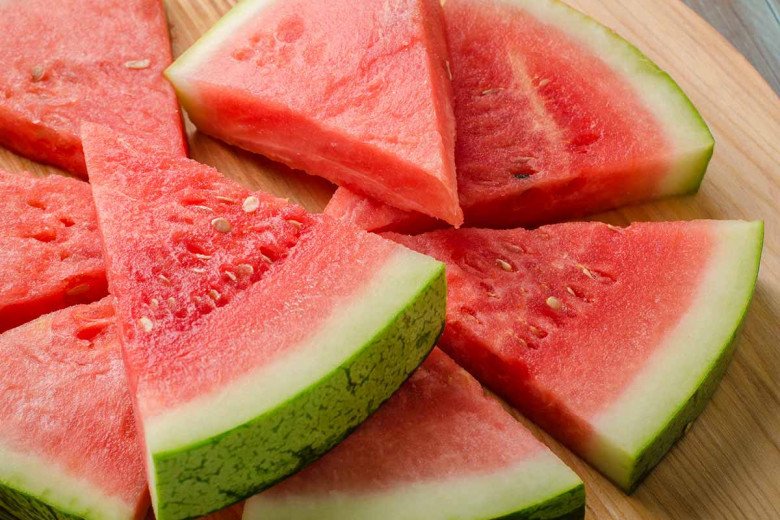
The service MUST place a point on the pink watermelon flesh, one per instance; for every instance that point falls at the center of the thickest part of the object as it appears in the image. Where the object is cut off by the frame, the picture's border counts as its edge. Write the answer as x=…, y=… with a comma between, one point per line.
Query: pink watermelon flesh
x=50, y=253
x=547, y=129
x=439, y=428
x=70, y=61
x=66, y=422
x=217, y=288
x=356, y=92
x=565, y=320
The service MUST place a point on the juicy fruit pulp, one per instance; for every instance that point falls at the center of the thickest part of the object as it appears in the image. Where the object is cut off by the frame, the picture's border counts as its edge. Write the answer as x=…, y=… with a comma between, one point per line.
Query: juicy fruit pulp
x=439, y=448
x=255, y=335
x=50, y=255
x=69, y=61
x=611, y=339
x=68, y=441
x=557, y=117
x=372, y=111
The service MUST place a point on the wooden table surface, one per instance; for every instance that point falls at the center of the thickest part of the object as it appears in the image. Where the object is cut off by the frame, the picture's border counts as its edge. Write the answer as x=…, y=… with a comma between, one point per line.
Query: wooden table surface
x=728, y=465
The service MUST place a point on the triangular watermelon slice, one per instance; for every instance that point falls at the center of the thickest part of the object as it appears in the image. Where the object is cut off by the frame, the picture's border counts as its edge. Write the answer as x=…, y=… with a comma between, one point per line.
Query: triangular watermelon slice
x=557, y=117
x=356, y=92
x=439, y=449
x=68, y=442
x=50, y=254
x=67, y=61
x=610, y=338
x=255, y=334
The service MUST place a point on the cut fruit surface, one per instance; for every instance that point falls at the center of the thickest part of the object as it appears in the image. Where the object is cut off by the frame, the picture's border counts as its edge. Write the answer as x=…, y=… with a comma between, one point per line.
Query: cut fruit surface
x=255, y=334
x=610, y=338
x=356, y=92
x=50, y=254
x=557, y=117
x=440, y=448
x=70, y=61
x=68, y=440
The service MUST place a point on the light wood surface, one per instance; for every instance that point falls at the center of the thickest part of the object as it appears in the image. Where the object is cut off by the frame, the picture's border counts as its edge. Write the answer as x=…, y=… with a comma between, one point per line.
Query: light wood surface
x=728, y=465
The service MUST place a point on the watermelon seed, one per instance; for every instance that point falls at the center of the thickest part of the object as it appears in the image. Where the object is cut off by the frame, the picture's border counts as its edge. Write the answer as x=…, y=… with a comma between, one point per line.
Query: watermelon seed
x=449, y=69
x=201, y=256
x=37, y=73
x=521, y=176
x=554, y=303
x=492, y=295
x=296, y=223
x=198, y=270
x=514, y=248
x=146, y=324
x=204, y=208
x=615, y=228
x=491, y=91
x=503, y=264
x=171, y=301
x=586, y=271
x=155, y=302
x=231, y=276
x=265, y=259
x=138, y=64
x=164, y=279
x=225, y=199
x=543, y=83
x=245, y=269
x=214, y=295
x=571, y=291
x=222, y=225
x=536, y=331
x=78, y=290
x=251, y=204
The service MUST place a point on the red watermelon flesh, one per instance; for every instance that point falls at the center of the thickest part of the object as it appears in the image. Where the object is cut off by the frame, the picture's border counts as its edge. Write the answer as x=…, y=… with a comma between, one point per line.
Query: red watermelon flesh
x=356, y=92
x=67, y=435
x=440, y=446
x=557, y=117
x=69, y=61
x=255, y=334
x=50, y=253
x=610, y=338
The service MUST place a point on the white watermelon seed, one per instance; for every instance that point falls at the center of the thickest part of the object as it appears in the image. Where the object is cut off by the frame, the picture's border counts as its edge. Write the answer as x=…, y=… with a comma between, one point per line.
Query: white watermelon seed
x=163, y=278
x=138, y=64
x=514, y=248
x=78, y=290
x=586, y=271
x=554, y=303
x=37, y=73
x=231, y=276
x=571, y=291
x=214, y=295
x=146, y=324
x=296, y=223
x=205, y=208
x=265, y=259
x=154, y=302
x=201, y=256
x=449, y=69
x=245, y=269
x=251, y=204
x=222, y=225
x=543, y=83
x=225, y=199
x=171, y=302
x=198, y=270
x=503, y=264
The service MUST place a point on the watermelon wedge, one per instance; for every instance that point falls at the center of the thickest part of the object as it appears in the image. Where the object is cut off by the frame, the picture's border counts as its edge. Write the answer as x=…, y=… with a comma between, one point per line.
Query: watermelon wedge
x=557, y=117
x=612, y=339
x=255, y=335
x=68, y=61
x=68, y=441
x=438, y=449
x=50, y=254
x=356, y=92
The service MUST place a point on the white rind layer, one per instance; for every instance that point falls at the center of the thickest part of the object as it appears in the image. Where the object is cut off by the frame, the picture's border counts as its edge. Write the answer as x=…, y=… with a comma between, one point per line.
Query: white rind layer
x=690, y=351
x=683, y=126
x=39, y=478
x=349, y=327
x=493, y=495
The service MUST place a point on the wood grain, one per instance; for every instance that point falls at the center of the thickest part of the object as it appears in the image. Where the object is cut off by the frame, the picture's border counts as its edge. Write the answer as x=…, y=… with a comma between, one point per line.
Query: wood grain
x=728, y=466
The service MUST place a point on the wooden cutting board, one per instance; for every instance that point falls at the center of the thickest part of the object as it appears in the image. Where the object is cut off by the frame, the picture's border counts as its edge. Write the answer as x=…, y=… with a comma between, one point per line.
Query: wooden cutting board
x=728, y=465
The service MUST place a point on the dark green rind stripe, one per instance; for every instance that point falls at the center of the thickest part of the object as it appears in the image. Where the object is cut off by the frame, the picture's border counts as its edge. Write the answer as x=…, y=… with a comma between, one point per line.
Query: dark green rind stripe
x=17, y=505
x=569, y=505
x=207, y=476
x=655, y=450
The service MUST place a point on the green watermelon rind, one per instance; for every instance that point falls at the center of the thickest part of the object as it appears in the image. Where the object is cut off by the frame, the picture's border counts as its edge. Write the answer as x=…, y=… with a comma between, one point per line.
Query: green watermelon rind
x=684, y=176
x=649, y=456
x=568, y=505
x=182, y=487
x=17, y=504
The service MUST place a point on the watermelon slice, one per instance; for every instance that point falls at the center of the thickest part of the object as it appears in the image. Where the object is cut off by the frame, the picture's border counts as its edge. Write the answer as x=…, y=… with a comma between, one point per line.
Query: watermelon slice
x=50, y=254
x=438, y=449
x=255, y=334
x=72, y=60
x=610, y=338
x=356, y=92
x=557, y=117
x=68, y=442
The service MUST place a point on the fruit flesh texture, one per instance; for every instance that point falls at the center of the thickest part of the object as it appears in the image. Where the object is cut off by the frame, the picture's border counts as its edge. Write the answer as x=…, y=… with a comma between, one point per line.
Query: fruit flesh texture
x=372, y=112
x=202, y=271
x=563, y=320
x=73, y=60
x=440, y=428
x=50, y=254
x=65, y=400
x=547, y=128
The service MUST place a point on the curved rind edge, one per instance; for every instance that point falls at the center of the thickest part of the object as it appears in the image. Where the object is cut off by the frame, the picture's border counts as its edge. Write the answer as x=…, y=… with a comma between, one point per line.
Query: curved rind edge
x=19, y=505
x=655, y=450
x=362, y=384
x=568, y=505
